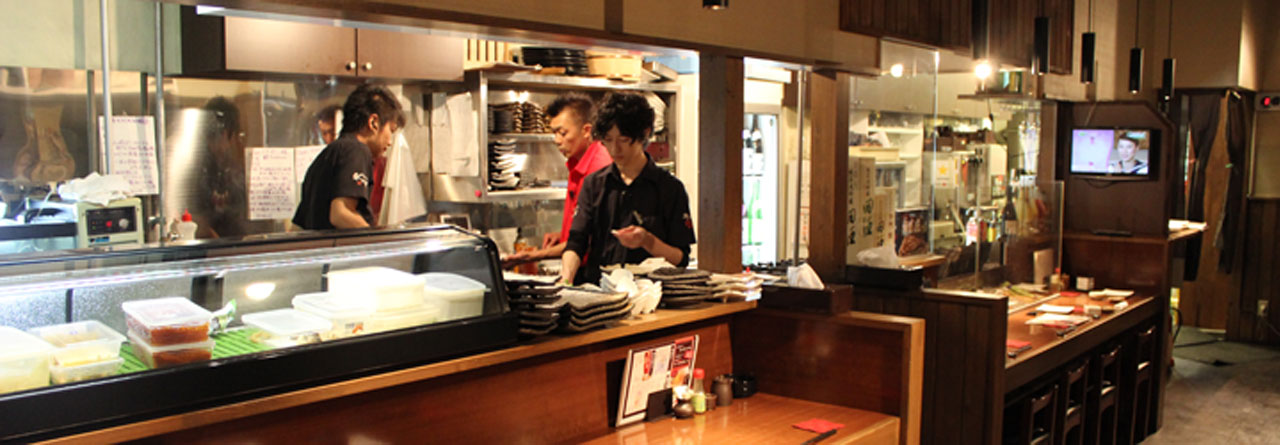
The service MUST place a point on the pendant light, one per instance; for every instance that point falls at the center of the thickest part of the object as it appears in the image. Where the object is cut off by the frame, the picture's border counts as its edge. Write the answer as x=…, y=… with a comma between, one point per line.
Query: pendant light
x=1135, y=54
x=1166, y=78
x=715, y=4
x=1088, y=44
x=1042, y=29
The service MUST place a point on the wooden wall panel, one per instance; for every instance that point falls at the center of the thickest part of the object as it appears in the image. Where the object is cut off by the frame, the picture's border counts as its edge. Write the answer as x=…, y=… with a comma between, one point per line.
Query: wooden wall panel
x=941, y=23
x=568, y=403
x=1013, y=32
x=1259, y=281
x=828, y=99
x=720, y=117
x=963, y=393
x=860, y=360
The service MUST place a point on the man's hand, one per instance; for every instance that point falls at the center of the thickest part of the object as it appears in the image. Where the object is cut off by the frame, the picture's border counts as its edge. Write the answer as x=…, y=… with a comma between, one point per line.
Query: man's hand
x=517, y=259
x=633, y=237
x=550, y=239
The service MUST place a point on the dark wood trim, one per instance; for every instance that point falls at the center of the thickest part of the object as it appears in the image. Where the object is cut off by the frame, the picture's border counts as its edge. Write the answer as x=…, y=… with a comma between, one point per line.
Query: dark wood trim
x=828, y=99
x=720, y=122
x=1043, y=363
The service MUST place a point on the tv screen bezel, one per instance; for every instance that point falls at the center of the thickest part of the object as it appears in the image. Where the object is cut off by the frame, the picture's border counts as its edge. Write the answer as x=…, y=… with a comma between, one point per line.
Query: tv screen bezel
x=1153, y=156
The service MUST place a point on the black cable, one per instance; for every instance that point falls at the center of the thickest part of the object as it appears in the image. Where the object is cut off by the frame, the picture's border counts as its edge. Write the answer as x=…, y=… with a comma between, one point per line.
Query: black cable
x=1177, y=330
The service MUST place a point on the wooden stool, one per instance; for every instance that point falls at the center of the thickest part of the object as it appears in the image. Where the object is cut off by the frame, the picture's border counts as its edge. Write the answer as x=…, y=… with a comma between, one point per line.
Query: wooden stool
x=1072, y=401
x=1041, y=414
x=1100, y=424
x=1142, y=385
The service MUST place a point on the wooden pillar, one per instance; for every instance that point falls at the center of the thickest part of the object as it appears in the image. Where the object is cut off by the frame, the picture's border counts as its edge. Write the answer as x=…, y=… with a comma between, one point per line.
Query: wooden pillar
x=720, y=116
x=828, y=100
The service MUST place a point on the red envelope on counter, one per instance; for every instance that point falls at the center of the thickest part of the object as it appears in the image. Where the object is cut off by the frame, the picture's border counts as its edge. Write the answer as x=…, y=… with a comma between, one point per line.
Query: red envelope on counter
x=1016, y=344
x=818, y=425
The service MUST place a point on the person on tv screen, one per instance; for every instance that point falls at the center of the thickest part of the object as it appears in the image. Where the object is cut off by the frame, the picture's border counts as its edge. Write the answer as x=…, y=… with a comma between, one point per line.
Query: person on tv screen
x=1127, y=148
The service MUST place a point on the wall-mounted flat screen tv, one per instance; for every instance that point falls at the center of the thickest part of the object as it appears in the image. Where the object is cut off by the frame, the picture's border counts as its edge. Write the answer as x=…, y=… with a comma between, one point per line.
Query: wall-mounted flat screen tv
x=1118, y=153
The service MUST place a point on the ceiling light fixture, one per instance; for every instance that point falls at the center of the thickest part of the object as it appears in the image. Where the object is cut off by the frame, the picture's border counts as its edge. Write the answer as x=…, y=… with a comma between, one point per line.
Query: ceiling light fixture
x=1043, y=26
x=982, y=70
x=1166, y=79
x=1088, y=45
x=896, y=70
x=715, y=5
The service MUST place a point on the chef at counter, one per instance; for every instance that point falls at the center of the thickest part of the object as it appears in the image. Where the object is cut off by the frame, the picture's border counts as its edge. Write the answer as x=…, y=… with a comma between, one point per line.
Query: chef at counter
x=631, y=210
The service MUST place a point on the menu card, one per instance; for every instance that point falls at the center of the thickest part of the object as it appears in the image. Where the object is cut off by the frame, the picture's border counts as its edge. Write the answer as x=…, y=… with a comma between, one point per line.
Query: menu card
x=132, y=152
x=272, y=183
x=653, y=369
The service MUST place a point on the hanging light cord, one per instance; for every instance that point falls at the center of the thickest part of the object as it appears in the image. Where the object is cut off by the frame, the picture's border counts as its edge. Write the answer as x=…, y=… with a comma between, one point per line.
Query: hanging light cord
x=1137, y=22
x=1090, y=15
x=1168, y=35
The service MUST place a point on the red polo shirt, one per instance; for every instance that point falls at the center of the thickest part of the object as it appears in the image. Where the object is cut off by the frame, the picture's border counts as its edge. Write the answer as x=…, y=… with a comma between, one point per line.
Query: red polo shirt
x=596, y=157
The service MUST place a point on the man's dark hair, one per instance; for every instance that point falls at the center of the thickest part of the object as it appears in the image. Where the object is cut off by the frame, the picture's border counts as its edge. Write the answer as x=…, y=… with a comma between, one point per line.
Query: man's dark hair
x=1136, y=143
x=366, y=101
x=580, y=104
x=226, y=116
x=629, y=112
x=329, y=113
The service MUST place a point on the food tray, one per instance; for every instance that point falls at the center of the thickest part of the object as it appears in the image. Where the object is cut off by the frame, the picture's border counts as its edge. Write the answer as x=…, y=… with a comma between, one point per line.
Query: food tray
x=167, y=321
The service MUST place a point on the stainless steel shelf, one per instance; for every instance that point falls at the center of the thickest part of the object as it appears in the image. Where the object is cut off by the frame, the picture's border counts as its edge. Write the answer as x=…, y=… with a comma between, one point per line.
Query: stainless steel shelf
x=548, y=193
x=574, y=82
x=524, y=137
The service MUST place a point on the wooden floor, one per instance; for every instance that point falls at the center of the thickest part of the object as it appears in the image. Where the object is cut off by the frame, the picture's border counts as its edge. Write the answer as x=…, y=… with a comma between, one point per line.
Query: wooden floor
x=760, y=419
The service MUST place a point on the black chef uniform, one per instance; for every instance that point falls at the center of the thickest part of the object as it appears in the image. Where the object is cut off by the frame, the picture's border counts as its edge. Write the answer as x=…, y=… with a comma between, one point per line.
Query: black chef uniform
x=655, y=200
x=342, y=170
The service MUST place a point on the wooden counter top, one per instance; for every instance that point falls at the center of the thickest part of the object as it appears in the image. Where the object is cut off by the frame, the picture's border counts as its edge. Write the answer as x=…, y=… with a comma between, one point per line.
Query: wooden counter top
x=761, y=419
x=661, y=319
x=1048, y=350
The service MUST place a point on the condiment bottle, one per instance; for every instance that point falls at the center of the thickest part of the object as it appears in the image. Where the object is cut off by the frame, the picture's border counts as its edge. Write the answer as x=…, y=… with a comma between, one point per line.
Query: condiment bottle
x=186, y=228
x=699, y=399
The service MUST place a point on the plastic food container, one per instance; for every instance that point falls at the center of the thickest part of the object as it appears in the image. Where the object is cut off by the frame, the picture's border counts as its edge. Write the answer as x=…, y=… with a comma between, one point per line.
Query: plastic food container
x=90, y=371
x=347, y=314
x=288, y=327
x=81, y=343
x=388, y=288
x=24, y=360
x=167, y=321
x=456, y=295
x=156, y=356
x=390, y=321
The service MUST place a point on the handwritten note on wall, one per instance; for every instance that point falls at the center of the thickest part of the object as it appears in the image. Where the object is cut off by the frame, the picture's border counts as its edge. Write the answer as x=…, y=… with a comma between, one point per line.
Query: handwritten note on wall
x=272, y=183
x=132, y=152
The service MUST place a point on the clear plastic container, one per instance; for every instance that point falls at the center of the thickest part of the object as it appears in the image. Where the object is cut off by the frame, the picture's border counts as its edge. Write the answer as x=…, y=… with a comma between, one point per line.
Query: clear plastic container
x=81, y=343
x=405, y=318
x=155, y=356
x=346, y=313
x=288, y=327
x=456, y=295
x=167, y=321
x=24, y=360
x=89, y=371
x=389, y=289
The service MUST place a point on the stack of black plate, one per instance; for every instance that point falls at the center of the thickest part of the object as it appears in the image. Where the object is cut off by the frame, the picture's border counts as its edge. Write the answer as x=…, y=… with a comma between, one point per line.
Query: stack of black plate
x=533, y=119
x=591, y=309
x=537, y=306
x=683, y=287
x=574, y=61
x=504, y=118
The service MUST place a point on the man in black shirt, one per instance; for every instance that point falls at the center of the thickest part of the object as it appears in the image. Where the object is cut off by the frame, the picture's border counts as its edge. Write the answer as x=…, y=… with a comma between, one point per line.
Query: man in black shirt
x=631, y=210
x=335, y=191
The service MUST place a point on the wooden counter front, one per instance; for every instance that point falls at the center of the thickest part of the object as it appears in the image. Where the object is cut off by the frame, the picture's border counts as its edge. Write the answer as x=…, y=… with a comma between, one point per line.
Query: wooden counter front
x=761, y=419
x=568, y=370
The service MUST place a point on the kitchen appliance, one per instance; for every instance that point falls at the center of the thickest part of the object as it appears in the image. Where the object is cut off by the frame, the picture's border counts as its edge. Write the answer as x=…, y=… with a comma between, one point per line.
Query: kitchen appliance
x=119, y=222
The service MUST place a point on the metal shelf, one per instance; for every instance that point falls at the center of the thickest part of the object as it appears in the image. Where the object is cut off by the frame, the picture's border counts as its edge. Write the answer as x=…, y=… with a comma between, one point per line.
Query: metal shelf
x=574, y=82
x=547, y=193
x=890, y=130
x=524, y=137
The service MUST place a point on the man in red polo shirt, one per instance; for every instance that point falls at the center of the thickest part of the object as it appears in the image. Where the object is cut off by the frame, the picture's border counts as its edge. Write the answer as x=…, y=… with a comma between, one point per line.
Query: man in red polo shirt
x=571, y=117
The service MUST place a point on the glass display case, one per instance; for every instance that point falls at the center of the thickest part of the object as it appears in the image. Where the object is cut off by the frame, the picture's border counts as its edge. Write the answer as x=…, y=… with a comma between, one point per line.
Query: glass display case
x=111, y=337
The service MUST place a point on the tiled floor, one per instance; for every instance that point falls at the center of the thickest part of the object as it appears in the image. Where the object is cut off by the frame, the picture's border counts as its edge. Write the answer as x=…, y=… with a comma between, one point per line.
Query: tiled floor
x=1235, y=404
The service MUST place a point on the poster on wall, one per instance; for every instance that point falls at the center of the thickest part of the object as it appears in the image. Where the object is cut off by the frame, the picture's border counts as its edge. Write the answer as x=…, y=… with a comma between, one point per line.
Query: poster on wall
x=132, y=152
x=653, y=369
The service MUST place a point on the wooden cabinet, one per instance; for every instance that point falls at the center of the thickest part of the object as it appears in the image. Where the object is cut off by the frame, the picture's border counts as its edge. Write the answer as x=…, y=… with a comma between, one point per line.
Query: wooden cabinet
x=941, y=23
x=221, y=45
x=1012, y=32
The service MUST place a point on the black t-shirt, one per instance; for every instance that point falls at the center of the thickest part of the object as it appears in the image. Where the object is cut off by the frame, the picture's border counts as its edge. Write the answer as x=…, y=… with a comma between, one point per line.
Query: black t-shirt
x=655, y=200
x=342, y=170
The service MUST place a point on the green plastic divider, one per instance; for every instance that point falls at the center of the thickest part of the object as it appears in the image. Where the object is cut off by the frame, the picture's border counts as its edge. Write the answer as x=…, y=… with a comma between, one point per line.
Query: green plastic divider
x=228, y=344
